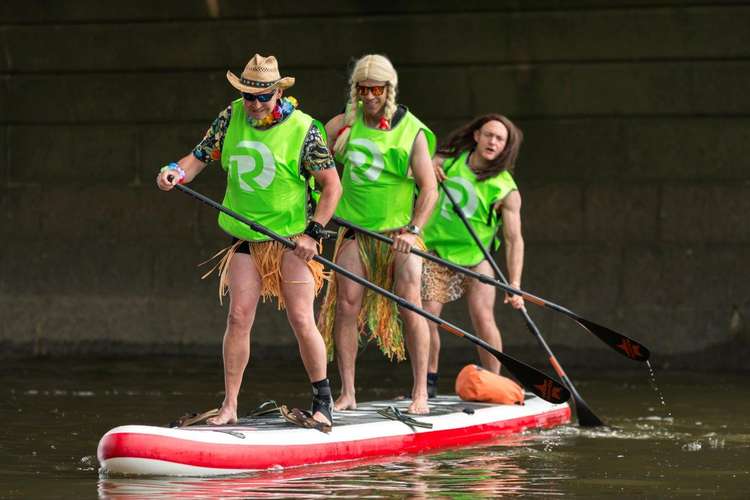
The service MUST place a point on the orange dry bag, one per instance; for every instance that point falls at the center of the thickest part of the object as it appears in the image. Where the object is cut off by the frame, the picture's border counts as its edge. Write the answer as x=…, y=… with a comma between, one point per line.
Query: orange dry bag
x=474, y=383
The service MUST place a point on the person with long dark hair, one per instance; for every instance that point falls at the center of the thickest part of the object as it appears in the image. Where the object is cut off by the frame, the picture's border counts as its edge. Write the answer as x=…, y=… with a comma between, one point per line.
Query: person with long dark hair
x=475, y=163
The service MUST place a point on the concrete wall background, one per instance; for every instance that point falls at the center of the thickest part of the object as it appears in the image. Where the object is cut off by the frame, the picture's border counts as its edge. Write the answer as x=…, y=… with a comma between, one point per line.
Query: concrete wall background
x=635, y=173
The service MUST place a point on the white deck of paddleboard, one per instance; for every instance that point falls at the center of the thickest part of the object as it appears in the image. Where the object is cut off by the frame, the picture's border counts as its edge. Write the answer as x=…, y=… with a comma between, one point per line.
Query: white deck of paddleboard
x=447, y=413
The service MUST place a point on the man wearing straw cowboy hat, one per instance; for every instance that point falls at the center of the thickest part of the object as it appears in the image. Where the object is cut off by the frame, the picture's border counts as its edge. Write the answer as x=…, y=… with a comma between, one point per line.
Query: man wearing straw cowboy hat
x=268, y=149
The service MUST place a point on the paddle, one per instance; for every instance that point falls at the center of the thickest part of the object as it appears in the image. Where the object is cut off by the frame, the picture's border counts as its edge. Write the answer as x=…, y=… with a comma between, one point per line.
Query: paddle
x=617, y=341
x=586, y=417
x=531, y=378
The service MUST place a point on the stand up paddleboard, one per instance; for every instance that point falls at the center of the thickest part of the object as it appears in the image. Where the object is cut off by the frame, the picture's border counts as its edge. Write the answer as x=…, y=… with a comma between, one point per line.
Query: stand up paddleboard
x=266, y=442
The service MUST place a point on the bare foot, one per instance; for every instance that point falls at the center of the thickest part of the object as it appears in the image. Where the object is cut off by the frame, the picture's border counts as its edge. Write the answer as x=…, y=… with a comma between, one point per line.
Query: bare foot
x=227, y=416
x=419, y=406
x=345, y=403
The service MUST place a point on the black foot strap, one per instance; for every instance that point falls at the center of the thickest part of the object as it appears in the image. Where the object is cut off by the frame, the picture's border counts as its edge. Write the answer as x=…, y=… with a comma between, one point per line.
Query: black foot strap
x=394, y=413
x=264, y=408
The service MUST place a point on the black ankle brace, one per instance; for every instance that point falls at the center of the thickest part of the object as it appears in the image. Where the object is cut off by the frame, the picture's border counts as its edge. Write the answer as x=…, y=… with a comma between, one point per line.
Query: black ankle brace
x=432, y=379
x=322, y=400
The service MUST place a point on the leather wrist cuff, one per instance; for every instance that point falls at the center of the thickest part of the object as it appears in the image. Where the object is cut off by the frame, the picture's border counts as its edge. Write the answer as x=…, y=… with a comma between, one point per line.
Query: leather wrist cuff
x=315, y=230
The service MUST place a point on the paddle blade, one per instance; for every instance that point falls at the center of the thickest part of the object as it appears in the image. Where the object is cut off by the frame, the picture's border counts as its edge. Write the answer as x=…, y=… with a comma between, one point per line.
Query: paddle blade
x=621, y=344
x=532, y=379
x=586, y=417
x=550, y=390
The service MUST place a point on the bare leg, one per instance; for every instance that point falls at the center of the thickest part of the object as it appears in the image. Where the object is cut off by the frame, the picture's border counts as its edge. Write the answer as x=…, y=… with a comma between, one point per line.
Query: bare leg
x=481, y=299
x=298, y=290
x=408, y=273
x=348, y=304
x=244, y=291
x=435, y=308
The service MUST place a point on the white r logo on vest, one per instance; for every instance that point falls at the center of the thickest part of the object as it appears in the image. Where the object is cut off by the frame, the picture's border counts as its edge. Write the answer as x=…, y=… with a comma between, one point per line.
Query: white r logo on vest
x=359, y=159
x=247, y=164
x=465, y=195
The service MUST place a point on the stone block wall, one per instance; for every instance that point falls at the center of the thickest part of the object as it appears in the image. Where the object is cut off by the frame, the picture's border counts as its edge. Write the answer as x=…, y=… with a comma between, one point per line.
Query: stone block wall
x=634, y=170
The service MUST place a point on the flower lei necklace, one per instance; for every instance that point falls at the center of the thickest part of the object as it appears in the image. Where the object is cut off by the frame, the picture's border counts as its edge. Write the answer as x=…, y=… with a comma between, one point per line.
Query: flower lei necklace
x=283, y=108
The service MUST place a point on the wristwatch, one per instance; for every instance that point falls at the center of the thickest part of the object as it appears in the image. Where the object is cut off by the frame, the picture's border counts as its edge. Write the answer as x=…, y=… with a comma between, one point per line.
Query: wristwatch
x=413, y=229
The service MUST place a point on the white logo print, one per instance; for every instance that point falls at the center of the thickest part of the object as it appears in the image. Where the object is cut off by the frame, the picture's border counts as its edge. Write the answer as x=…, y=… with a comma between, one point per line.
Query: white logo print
x=465, y=195
x=246, y=164
x=359, y=159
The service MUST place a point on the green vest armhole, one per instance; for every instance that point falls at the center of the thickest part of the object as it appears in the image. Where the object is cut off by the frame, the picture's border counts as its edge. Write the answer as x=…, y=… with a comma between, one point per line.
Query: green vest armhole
x=431, y=140
x=322, y=129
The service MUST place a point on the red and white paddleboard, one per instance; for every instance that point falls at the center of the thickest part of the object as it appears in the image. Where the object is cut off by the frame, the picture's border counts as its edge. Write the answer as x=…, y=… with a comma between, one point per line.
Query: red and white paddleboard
x=267, y=442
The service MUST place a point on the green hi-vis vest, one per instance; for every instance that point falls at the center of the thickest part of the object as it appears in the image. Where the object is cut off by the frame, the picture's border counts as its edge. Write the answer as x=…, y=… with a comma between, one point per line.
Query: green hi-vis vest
x=378, y=192
x=263, y=175
x=445, y=232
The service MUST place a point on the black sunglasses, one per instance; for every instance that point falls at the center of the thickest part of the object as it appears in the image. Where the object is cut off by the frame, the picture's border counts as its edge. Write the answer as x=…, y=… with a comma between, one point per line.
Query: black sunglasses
x=259, y=97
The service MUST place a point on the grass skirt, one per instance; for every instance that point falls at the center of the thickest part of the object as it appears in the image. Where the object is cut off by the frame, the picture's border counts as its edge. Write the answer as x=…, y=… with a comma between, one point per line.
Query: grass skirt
x=267, y=257
x=378, y=314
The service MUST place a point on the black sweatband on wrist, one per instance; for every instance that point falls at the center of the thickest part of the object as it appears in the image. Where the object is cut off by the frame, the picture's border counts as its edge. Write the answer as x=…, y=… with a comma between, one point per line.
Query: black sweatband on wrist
x=315, y=230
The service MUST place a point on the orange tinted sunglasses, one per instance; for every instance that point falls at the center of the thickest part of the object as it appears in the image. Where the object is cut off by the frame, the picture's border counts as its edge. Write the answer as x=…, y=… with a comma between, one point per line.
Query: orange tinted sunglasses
x=377, y=90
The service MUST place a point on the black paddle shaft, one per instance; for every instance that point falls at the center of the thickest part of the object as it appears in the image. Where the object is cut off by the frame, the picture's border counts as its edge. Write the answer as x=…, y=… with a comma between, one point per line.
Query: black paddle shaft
x=586, y=417
x=531, y=378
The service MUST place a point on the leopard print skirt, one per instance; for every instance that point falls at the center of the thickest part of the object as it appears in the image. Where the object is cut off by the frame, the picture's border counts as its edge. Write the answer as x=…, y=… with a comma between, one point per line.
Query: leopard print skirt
x=440, y=284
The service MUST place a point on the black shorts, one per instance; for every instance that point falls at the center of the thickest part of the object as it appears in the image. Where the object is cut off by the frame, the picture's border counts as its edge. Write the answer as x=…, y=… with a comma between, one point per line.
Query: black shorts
x=243, y=248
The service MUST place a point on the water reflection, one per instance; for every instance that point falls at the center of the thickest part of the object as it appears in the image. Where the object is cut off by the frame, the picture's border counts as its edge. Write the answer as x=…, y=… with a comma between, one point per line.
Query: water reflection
x=486, y=471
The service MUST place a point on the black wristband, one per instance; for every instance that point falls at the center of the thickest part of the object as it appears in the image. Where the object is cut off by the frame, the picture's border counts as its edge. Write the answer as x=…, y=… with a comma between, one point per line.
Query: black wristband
x=315, y=230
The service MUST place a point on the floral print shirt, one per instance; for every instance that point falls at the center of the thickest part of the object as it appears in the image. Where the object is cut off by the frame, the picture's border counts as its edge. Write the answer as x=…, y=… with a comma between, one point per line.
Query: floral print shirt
x=315, y=154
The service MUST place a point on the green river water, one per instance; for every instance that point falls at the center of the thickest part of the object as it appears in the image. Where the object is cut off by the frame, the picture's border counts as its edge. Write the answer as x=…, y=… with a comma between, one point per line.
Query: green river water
x=697, y=444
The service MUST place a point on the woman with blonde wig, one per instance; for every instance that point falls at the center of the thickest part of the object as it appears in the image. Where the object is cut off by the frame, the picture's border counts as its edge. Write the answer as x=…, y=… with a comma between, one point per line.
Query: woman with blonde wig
x=389, y=187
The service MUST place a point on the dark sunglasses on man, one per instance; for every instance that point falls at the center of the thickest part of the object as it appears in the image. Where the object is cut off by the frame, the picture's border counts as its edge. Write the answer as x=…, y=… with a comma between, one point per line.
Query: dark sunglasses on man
x=259, y=97
x=377, y=90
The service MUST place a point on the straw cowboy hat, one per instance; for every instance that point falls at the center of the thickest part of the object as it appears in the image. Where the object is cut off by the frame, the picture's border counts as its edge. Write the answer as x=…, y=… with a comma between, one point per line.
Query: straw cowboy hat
x=261, y=74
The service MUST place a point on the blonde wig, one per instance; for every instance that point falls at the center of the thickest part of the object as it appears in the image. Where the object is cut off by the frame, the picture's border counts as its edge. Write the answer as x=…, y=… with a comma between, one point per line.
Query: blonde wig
x=370, y=67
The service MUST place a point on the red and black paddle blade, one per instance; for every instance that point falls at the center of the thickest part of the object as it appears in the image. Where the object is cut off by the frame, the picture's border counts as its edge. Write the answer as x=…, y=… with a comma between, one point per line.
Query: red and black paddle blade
x=621, y=344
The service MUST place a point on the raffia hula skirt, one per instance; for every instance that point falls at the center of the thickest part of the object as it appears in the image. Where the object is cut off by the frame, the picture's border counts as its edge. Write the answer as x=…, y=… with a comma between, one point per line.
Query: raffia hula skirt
x=267, y=258
x=378, y=314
